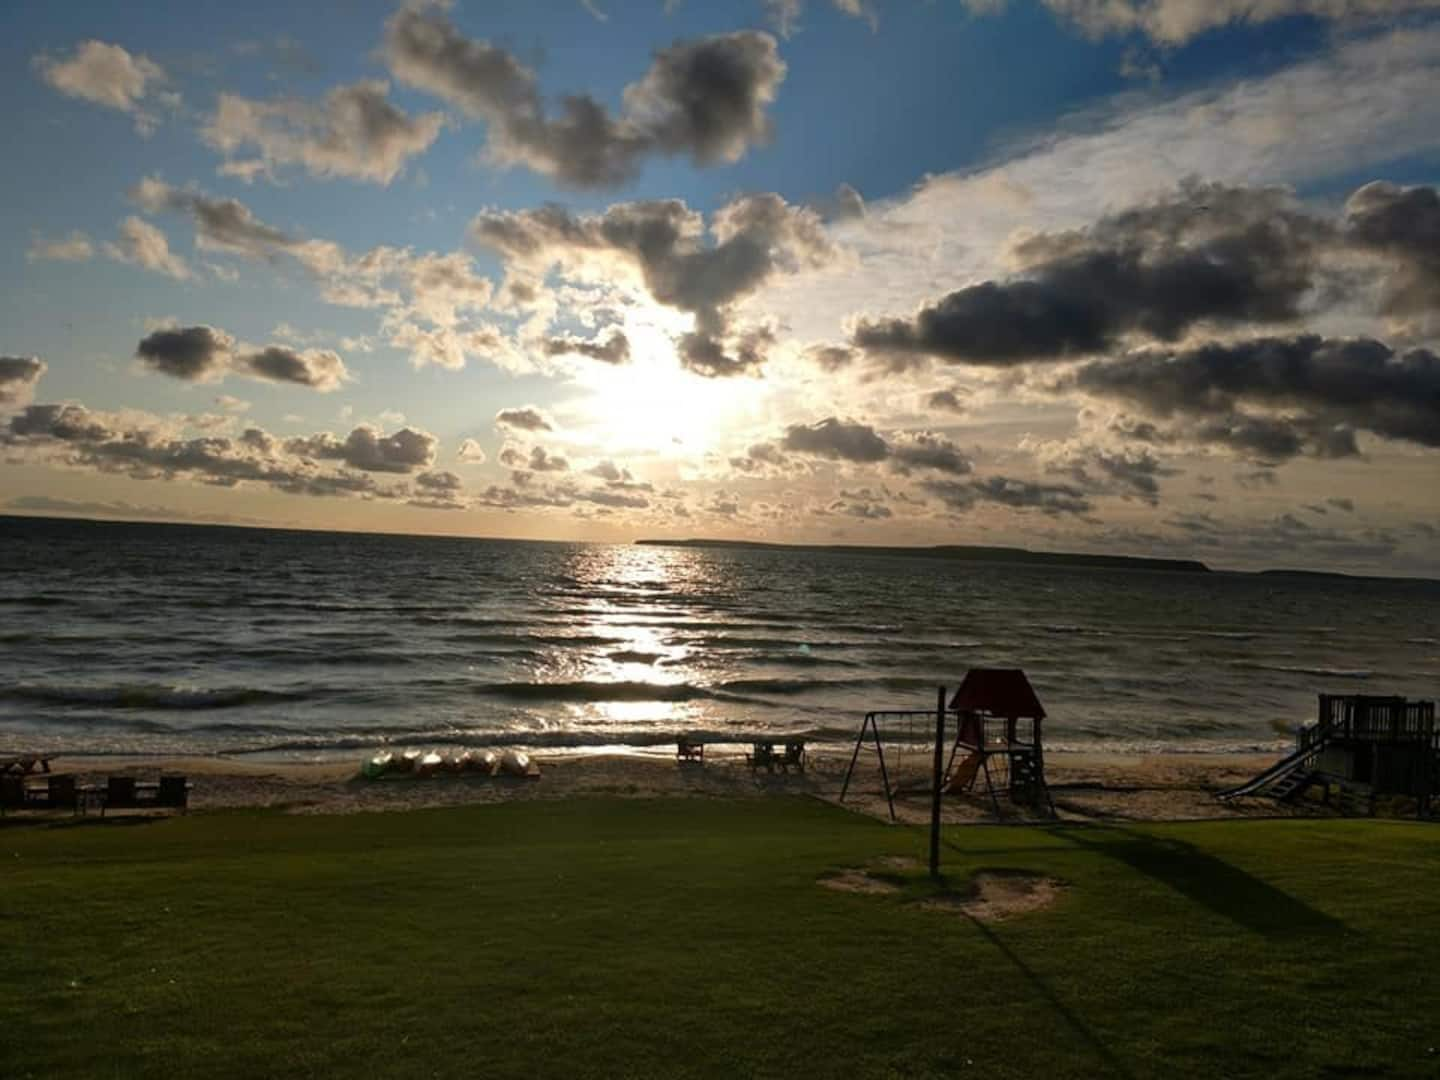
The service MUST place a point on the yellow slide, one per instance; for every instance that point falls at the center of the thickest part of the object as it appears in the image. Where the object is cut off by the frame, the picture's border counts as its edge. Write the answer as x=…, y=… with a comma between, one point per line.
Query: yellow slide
x=964, y=773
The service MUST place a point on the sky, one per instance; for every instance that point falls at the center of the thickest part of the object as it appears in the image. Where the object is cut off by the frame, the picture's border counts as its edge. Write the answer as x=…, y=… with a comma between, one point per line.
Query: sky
x=1149, y=277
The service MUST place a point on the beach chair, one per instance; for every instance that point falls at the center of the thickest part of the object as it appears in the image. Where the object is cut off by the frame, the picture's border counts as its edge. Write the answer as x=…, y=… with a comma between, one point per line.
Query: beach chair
x=762, y=755
x=794, y=755
x=119, y=794
x=689, y=750
x=174, y=793
x=12, y=792
x=59, y=793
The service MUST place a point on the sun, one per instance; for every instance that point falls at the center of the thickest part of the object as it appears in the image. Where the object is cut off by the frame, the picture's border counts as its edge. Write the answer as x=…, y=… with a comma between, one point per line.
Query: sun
x=653, y=405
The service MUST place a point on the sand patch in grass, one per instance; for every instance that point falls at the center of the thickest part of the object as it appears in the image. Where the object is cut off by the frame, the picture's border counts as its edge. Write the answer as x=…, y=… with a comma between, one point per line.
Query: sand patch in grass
x=996, y=895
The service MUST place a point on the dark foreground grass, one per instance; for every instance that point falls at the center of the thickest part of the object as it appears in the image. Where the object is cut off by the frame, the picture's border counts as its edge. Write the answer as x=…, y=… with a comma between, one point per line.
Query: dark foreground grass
x=688, y=938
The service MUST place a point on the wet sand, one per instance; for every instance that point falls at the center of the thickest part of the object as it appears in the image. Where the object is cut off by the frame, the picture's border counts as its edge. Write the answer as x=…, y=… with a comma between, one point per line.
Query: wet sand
x=1085, y=787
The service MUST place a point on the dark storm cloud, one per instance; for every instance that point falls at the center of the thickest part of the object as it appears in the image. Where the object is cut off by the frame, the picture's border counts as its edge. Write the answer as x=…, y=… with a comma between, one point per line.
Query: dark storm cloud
x=926, y=450
x=1210, y=253
x=705, y=99
x=144, y=448
x=752, y=239
x=204, y=354
x=963, y=495
x=1402, y=224
x=836, y=440
x=527, y=418
x=317, y=368
x=1316, y=392
x=441, y=481
x=613, y=350
x=192, y=353
x=18, y=378
x=948, y=400
x=744, y=354
x=370, y=450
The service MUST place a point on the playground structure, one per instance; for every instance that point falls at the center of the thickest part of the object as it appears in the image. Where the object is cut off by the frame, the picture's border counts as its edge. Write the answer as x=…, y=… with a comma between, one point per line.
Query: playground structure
x=998, y=723
x=1359, y=747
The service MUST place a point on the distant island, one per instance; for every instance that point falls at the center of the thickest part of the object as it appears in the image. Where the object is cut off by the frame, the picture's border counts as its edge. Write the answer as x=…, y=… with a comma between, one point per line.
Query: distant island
x=959, y=553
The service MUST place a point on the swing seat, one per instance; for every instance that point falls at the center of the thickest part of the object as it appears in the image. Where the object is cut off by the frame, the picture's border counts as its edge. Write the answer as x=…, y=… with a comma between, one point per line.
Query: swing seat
x=963, y=775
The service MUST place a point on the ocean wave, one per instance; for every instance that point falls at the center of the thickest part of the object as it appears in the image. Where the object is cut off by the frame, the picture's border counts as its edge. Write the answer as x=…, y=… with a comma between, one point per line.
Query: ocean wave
x=584, y=691
x=1297, y=669
x=639, y=738
x=149, y=696
x=820, y=686
x=1422, y=641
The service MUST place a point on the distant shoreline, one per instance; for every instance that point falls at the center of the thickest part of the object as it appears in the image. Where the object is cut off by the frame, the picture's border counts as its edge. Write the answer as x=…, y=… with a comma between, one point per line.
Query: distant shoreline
x=1025, y=557
x=954, y=552
x=960, y=553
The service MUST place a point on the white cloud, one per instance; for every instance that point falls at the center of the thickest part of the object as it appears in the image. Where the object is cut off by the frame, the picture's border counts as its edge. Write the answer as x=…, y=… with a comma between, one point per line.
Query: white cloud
x=356, y=133
x=108, y=75
x=73, y=247
x=142, y=244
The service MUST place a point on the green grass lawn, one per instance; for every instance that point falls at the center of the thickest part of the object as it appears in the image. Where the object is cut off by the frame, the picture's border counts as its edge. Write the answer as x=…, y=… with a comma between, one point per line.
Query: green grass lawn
x=688, y=938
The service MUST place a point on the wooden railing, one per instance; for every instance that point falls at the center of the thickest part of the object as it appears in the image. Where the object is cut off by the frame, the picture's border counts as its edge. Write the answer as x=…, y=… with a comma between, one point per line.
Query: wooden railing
x=1373, y=719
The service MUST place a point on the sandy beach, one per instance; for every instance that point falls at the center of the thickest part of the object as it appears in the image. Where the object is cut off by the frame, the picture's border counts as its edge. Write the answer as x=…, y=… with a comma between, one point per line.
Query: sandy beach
x=1148, y=787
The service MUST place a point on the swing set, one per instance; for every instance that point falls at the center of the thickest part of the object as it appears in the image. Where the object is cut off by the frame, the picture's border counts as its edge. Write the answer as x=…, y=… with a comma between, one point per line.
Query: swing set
x=997, y=720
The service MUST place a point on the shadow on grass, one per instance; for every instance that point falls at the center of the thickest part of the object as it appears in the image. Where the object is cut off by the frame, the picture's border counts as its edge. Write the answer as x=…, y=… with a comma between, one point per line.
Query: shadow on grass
x=1206, y=880
x=1113, y=1065
x=80, y=821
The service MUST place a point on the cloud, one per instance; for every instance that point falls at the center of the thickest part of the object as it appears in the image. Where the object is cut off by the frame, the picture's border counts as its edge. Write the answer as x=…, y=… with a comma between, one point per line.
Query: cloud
x=73, y=247
x=19, y=376
x=355, y=132
x=146, y=447
x=108, y=75
x=526, y=418
x=1053, y=499
x=1276, y=397
x=370, y=450
x=784, y=15
x=1174, y=22
x=1402, y=224
x=192, y=353
x=205, y=354
x=429, y=299
x=537, y=460
x=220, y=224
x=470, y=453
x=319, y=369
x=705, y=99
x=662, y=245
x=615, y=349
x=143, y=245
x=836, y=440
x=927, y=450
x=950, y=399
x=1130, y=472
x=1208, y=253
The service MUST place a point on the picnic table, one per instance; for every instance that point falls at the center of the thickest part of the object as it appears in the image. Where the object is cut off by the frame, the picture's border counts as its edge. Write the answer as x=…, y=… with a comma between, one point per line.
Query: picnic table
x=763, y=753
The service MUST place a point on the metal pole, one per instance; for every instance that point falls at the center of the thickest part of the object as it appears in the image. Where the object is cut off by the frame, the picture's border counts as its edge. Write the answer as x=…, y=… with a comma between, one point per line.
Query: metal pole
x=935, y=780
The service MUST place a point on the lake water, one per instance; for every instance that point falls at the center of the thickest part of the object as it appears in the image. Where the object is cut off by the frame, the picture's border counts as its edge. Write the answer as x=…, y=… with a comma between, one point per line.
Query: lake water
x=121, y=638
